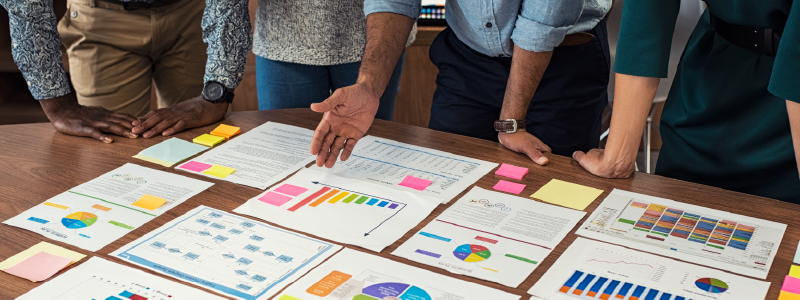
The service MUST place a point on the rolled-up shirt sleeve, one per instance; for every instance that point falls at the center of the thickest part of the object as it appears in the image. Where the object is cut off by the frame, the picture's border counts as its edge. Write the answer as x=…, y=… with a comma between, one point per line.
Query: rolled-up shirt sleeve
x=409, y=8
x=786, y=71
x=542, y=24
x=35, y=45
x=227, y=32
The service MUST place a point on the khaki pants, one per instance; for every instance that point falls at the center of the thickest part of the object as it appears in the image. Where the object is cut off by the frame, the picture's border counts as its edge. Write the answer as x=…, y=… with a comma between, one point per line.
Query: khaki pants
x=115, y=55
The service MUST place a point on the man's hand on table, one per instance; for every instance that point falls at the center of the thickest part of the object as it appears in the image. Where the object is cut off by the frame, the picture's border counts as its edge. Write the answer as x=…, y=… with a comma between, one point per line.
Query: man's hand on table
x=524, y=142
x=69, y=117
x=598, y=163
x=195, y=112
x=349, y=113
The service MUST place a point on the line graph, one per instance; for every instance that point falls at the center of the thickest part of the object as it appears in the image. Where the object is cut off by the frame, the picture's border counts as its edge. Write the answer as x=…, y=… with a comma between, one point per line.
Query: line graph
x=618, y=262
x=622, y=264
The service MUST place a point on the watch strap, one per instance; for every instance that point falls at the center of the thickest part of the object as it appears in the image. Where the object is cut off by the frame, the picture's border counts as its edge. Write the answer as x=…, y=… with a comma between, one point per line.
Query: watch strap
x=508, y=125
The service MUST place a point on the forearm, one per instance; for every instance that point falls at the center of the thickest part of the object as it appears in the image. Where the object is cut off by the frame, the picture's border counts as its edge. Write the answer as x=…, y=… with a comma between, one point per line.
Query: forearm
x=387, y=34
x=527, y=69
x=227, y=32
x=633, y=97
x=793, y=108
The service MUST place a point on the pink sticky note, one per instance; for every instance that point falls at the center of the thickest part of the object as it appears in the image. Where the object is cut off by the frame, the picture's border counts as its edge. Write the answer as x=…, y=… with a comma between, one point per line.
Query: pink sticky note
x=510, y=187
x=195, y=166
x=274, y=198
x=791, y=285
x=39, y=267
x=291, y=190
x=510, y=171
x=415, y=183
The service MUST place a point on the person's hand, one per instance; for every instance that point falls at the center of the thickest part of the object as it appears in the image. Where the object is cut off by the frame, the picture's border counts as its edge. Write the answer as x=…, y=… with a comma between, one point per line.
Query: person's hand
x=524, y=142
x=191, y=113
x=69, y=117
x=349, y=113
x=596, y=162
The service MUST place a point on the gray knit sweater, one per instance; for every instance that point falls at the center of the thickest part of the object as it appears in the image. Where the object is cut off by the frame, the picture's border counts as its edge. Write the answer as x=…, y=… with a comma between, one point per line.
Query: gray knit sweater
x=312, y=32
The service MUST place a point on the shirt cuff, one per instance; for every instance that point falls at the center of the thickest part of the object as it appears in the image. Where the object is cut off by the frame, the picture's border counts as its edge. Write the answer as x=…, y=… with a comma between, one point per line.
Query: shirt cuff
x=228, y=74
x=409, y=9
x=537, y=37
x=43, y=88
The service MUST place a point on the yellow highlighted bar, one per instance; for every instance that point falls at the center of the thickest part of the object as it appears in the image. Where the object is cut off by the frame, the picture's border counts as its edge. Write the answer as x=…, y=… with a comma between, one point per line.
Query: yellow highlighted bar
x=338, y=197
x=55, y=205
x=323, y=198
x=100, y=207
x=493, y=270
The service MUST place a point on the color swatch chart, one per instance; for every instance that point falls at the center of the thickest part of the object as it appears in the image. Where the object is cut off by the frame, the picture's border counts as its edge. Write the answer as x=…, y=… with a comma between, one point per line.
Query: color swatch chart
x=285, y=192
x=583, y=285
x=701, y=235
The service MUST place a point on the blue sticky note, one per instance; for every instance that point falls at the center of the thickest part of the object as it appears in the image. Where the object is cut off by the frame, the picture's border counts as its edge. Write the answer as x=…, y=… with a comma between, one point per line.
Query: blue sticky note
x=797, y=254
x=170, y=152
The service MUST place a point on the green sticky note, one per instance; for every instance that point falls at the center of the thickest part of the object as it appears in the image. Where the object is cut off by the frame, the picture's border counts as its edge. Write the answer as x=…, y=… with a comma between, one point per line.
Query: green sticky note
x=170, y=152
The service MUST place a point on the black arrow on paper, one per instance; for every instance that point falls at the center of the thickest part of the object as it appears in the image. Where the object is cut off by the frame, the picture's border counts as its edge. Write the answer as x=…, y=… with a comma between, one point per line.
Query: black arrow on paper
x=355, y=192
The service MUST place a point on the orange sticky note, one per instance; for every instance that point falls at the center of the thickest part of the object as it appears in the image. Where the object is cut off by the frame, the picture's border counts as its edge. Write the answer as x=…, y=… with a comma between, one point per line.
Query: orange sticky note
x=226, y=131
x=327, y=284
x=39, y=267
x=149, y=202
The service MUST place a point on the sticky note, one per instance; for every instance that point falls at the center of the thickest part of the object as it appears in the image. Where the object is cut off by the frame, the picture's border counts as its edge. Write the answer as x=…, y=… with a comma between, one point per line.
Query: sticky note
x=791, y=284
x=511, y=171
x=415, y=183
x=195, y=166
x=170, y=152
x=208, y=140
x=149, y=202
x=226, y=131
x=797, y=254
x=794, y=271
x=788, y=296
x=507, y=186
x=287, y=297
x=291, y=190
x=39, y=267
x=274, y=198
x=219, y=171
x=327, y=284
x=567, y=194
x=41, y=247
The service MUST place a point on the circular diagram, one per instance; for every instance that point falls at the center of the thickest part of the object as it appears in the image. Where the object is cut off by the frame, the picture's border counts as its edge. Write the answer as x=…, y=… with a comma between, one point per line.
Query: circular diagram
x=392, y=289
x=711, y=285
x=472, y=253
x=79, y=220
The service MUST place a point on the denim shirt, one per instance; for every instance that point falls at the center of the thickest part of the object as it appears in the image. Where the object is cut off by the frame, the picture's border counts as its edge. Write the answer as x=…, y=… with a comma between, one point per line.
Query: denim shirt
x=493, y=27
x=35, y=43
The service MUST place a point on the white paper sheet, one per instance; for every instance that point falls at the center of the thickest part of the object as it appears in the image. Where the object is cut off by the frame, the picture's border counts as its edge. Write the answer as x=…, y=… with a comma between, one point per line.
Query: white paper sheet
x=342, y=209
x=98, y=212
x=387, y=162
x=100, y=279
x=359, y=276
x=262, y=156
x=595, y=270
x=492, y=236
x=236, y=256
x=693, y=233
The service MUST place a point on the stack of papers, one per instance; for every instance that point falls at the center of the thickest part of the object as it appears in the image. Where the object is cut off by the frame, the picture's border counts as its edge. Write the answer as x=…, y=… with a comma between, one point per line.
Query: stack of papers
x=170, y=152
x=40, y=261
x=226, y=131
x=208, y=140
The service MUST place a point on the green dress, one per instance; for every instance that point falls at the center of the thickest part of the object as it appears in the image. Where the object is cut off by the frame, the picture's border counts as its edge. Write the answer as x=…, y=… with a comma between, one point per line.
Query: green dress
x=724, y=123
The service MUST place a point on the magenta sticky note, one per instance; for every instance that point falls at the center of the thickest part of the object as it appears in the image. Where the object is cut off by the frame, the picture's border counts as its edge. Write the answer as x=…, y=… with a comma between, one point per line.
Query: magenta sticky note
x=415, y=183
x=195, y=166
x=39, y=267
x=511, y=171
x=274, y=198
x=291, y=190
x=510, y=187
x=791, y=285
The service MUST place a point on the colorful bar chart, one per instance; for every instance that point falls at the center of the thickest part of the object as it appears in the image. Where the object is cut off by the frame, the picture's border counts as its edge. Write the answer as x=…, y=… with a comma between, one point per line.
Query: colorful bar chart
x=576, y=286
x=326, y=194
x=722, y=233
x=741, y=237
x=685, y=225
x=650, y=217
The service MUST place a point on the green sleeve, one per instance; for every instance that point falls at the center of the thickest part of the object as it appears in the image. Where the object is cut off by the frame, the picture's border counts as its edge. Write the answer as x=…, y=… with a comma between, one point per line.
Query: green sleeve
x=785, y=79
x=645, y=37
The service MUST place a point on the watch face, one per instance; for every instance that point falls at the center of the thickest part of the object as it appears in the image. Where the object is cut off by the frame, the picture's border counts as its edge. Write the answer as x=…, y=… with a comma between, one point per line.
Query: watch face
x=213, y=91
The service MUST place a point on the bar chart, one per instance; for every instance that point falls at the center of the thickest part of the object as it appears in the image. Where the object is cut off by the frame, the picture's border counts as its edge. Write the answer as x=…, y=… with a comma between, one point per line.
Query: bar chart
x=584, y=285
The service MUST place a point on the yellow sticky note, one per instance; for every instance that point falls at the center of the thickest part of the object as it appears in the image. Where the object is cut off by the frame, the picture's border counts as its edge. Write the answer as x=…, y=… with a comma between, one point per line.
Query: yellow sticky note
x=794, y=271
x=226, y=131
x=41, y=247
x=567, y=194
x=208, y=140
x=149, y=202
x=219, y=171
x=287, y=297
x=788, y=296
x=154, y=160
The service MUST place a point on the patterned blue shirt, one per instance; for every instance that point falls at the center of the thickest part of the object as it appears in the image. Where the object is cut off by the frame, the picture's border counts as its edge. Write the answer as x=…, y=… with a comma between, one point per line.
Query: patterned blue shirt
x=492, y=27
x=36, y=44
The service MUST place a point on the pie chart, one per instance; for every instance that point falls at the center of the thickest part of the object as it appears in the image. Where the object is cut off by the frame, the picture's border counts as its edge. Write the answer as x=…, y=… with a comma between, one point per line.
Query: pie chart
x=711, y=285
x=79, y=220
x=472, y=253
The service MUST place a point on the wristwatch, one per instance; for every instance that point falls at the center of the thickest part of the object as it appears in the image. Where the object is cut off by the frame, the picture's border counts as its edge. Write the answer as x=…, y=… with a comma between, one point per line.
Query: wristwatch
x=509, y=125
x=215, y=92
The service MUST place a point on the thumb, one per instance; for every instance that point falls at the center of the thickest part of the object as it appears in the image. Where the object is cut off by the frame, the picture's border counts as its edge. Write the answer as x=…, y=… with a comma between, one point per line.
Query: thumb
x=578, y=156
x=334, y=100
x=536, y=156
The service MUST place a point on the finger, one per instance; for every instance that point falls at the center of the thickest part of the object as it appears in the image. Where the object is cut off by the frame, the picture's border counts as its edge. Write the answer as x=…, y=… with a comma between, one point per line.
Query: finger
x=332, y=101
x=147, y=121
x=325, y=149
x=336, y=148
x=97, y=135
x=349, y=145
x=126, y=117
x=544, y=148
x=536, y=156
x=114, y=128
x=578, y=156
x=319, y=136
x=178, y=127
x=160, y=127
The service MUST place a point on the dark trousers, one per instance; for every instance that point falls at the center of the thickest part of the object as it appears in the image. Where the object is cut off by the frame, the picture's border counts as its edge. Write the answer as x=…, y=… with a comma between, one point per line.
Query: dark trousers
x=565, y=112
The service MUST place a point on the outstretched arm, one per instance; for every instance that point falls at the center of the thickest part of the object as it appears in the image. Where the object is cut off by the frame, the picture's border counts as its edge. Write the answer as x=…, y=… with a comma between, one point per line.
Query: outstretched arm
x=793, y=108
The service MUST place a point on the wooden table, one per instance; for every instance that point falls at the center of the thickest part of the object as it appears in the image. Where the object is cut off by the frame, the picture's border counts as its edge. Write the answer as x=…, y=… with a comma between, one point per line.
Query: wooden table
x=39, y=163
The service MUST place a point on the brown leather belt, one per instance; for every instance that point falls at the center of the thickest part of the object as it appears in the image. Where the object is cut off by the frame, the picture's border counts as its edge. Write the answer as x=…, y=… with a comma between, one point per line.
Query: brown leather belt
x=141, y=5
x=576, y=39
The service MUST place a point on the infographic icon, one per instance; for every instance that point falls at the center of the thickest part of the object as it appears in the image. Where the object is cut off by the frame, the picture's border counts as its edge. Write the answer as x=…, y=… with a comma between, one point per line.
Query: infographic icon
x=472, y=253
x=392, y=289
x=711, y=285
x=79, y=220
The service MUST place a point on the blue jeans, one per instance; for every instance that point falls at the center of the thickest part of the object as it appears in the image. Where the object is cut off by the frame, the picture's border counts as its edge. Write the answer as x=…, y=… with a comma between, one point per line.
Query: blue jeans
x=290, y=85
